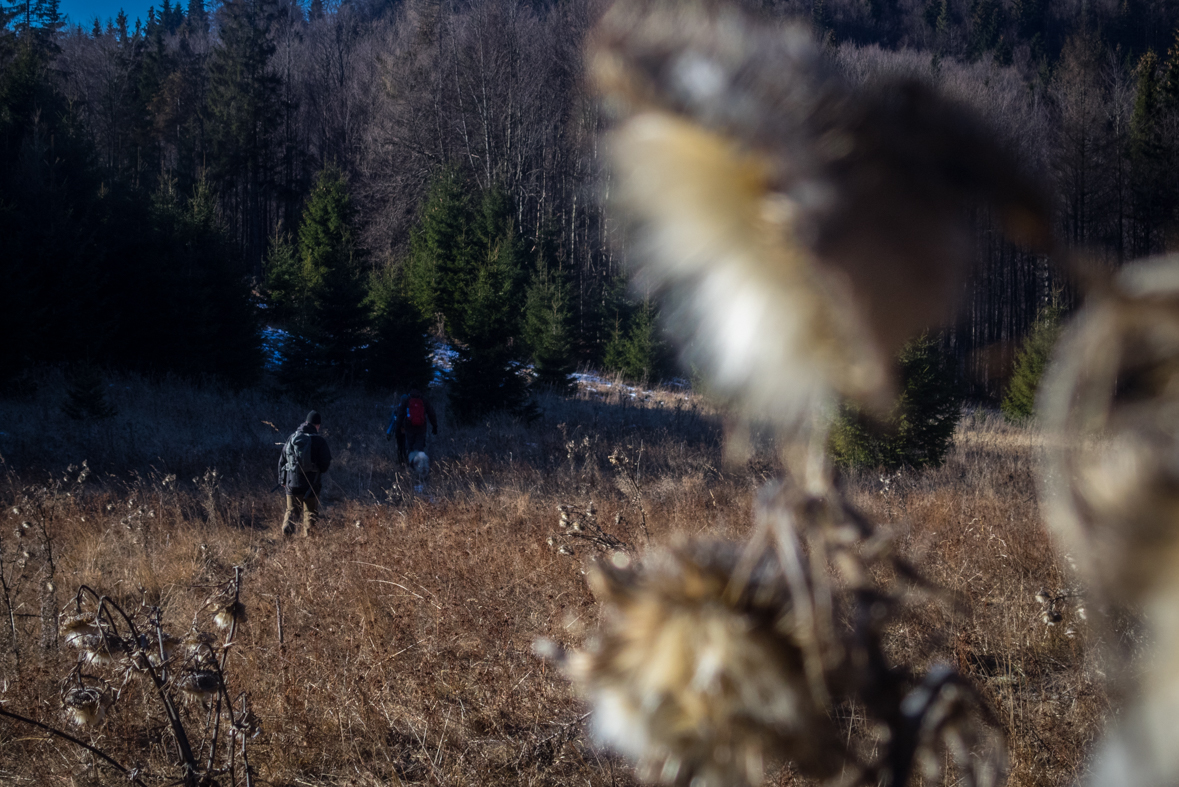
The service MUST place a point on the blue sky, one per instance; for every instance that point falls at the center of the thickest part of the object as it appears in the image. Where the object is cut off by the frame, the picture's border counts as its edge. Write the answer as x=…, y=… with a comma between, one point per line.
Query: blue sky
x=82, y=12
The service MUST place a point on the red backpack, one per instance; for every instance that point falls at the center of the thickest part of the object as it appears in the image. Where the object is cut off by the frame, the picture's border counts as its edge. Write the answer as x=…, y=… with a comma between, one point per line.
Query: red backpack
x=415, y=412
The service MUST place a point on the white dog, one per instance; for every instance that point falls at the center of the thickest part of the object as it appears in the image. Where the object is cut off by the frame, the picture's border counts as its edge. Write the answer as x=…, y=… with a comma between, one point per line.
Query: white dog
x=420, y=464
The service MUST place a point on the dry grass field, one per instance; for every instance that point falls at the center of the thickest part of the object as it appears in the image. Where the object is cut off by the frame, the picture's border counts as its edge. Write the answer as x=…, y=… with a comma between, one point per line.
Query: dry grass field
x=395, y=646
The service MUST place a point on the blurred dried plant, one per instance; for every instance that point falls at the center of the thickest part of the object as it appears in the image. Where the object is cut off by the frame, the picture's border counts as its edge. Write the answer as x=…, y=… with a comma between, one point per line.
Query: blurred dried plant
x=718, y=657
x=1110, y=490
x=802, y=230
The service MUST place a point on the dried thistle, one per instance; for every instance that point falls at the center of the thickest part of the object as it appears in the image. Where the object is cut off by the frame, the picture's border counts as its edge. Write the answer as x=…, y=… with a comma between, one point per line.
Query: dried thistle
x=195, y=643
x=1110, y=486
x=696, y=679
x=199, y=684
x=75, y=627
x=714, y=658
x=1111, y=404
x=227, y=614
x=86, y=705
x=102, y=648
x=169, y=647
x=803, y=228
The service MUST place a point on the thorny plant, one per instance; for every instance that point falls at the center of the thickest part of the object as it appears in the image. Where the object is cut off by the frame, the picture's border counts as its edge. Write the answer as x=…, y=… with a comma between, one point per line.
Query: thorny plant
x=578, y=452
x=118, y=650
x=209, y=485
x=630, y=474
x=580, y=525
x=36, y=507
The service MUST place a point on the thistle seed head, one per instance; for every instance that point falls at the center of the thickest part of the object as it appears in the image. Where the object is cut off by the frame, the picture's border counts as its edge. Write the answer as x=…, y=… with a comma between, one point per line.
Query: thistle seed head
x=196, y=643
x=225, y=616
x=74, y=627
x=694, y=678
x=86, y=705
x=1051, y=617
x=198, y=684
x=101, y=649
x=171, y=646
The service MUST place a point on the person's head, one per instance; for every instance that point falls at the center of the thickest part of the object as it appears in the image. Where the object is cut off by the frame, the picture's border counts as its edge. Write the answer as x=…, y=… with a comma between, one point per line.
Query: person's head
x=415, y=393
x=313, y=419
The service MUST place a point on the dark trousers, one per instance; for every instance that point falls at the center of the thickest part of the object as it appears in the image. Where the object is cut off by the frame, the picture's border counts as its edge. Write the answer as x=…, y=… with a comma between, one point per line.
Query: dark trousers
x=415, y=440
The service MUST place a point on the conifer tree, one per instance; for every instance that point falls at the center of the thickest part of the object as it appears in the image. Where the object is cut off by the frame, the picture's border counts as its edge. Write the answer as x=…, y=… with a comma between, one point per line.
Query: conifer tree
x=398, y=354
x=438, y=249
x=918, y=431
x=197, y=19
x=285, y=294
x=1151, y=180
x=86, y=394
x=548, y=329
x=233, y=349
x=637, y=349
x=328, y=291
x=1019, y=402
x=488, y=373
x=242, y=103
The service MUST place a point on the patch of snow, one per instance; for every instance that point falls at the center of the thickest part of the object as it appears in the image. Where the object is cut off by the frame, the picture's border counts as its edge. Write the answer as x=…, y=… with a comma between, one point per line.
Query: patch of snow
x=442, y=356
x=273, y=341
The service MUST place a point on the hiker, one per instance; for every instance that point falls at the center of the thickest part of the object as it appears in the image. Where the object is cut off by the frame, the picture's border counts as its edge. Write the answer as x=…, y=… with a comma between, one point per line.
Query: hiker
x=305, y=458
x=408, y=424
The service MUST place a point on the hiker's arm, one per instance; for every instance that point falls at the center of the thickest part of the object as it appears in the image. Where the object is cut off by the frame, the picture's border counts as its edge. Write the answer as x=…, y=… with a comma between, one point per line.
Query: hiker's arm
x=430, y=414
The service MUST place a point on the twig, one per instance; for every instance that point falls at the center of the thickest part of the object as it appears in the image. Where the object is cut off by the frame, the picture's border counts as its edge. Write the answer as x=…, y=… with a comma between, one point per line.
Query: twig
x=66, y=736
x=403, y=587
x=8, y=605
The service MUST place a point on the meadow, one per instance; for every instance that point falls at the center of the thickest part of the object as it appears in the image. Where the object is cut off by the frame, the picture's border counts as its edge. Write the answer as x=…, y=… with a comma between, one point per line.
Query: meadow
x=396, y=644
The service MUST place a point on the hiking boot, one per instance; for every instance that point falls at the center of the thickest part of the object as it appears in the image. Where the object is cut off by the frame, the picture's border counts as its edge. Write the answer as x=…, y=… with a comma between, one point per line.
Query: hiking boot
x=288, y=530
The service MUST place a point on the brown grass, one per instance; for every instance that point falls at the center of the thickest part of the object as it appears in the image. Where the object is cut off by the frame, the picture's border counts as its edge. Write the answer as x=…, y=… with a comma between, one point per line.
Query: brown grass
x=408, y=619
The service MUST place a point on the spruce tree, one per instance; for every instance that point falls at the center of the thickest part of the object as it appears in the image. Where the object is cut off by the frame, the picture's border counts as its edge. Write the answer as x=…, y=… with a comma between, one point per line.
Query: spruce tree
x=1019, y=402
x=637, y=349
x=284, y=291
x=918, y=431
x=243, y=118
x=547, y=329
x=486, y=320
x=328, y=313
x=398, y=354
x=86, y=394
x=233, y=349
x=439, y=249
x=1151, y=184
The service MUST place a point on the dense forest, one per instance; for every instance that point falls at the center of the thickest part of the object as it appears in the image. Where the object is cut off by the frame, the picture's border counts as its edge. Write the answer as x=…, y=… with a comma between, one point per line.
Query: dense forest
x=364, y=174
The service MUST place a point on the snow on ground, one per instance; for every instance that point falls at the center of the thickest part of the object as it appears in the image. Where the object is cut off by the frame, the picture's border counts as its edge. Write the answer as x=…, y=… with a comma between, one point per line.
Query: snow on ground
x=602, y=386
x=443, y=356
x=273, y=340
